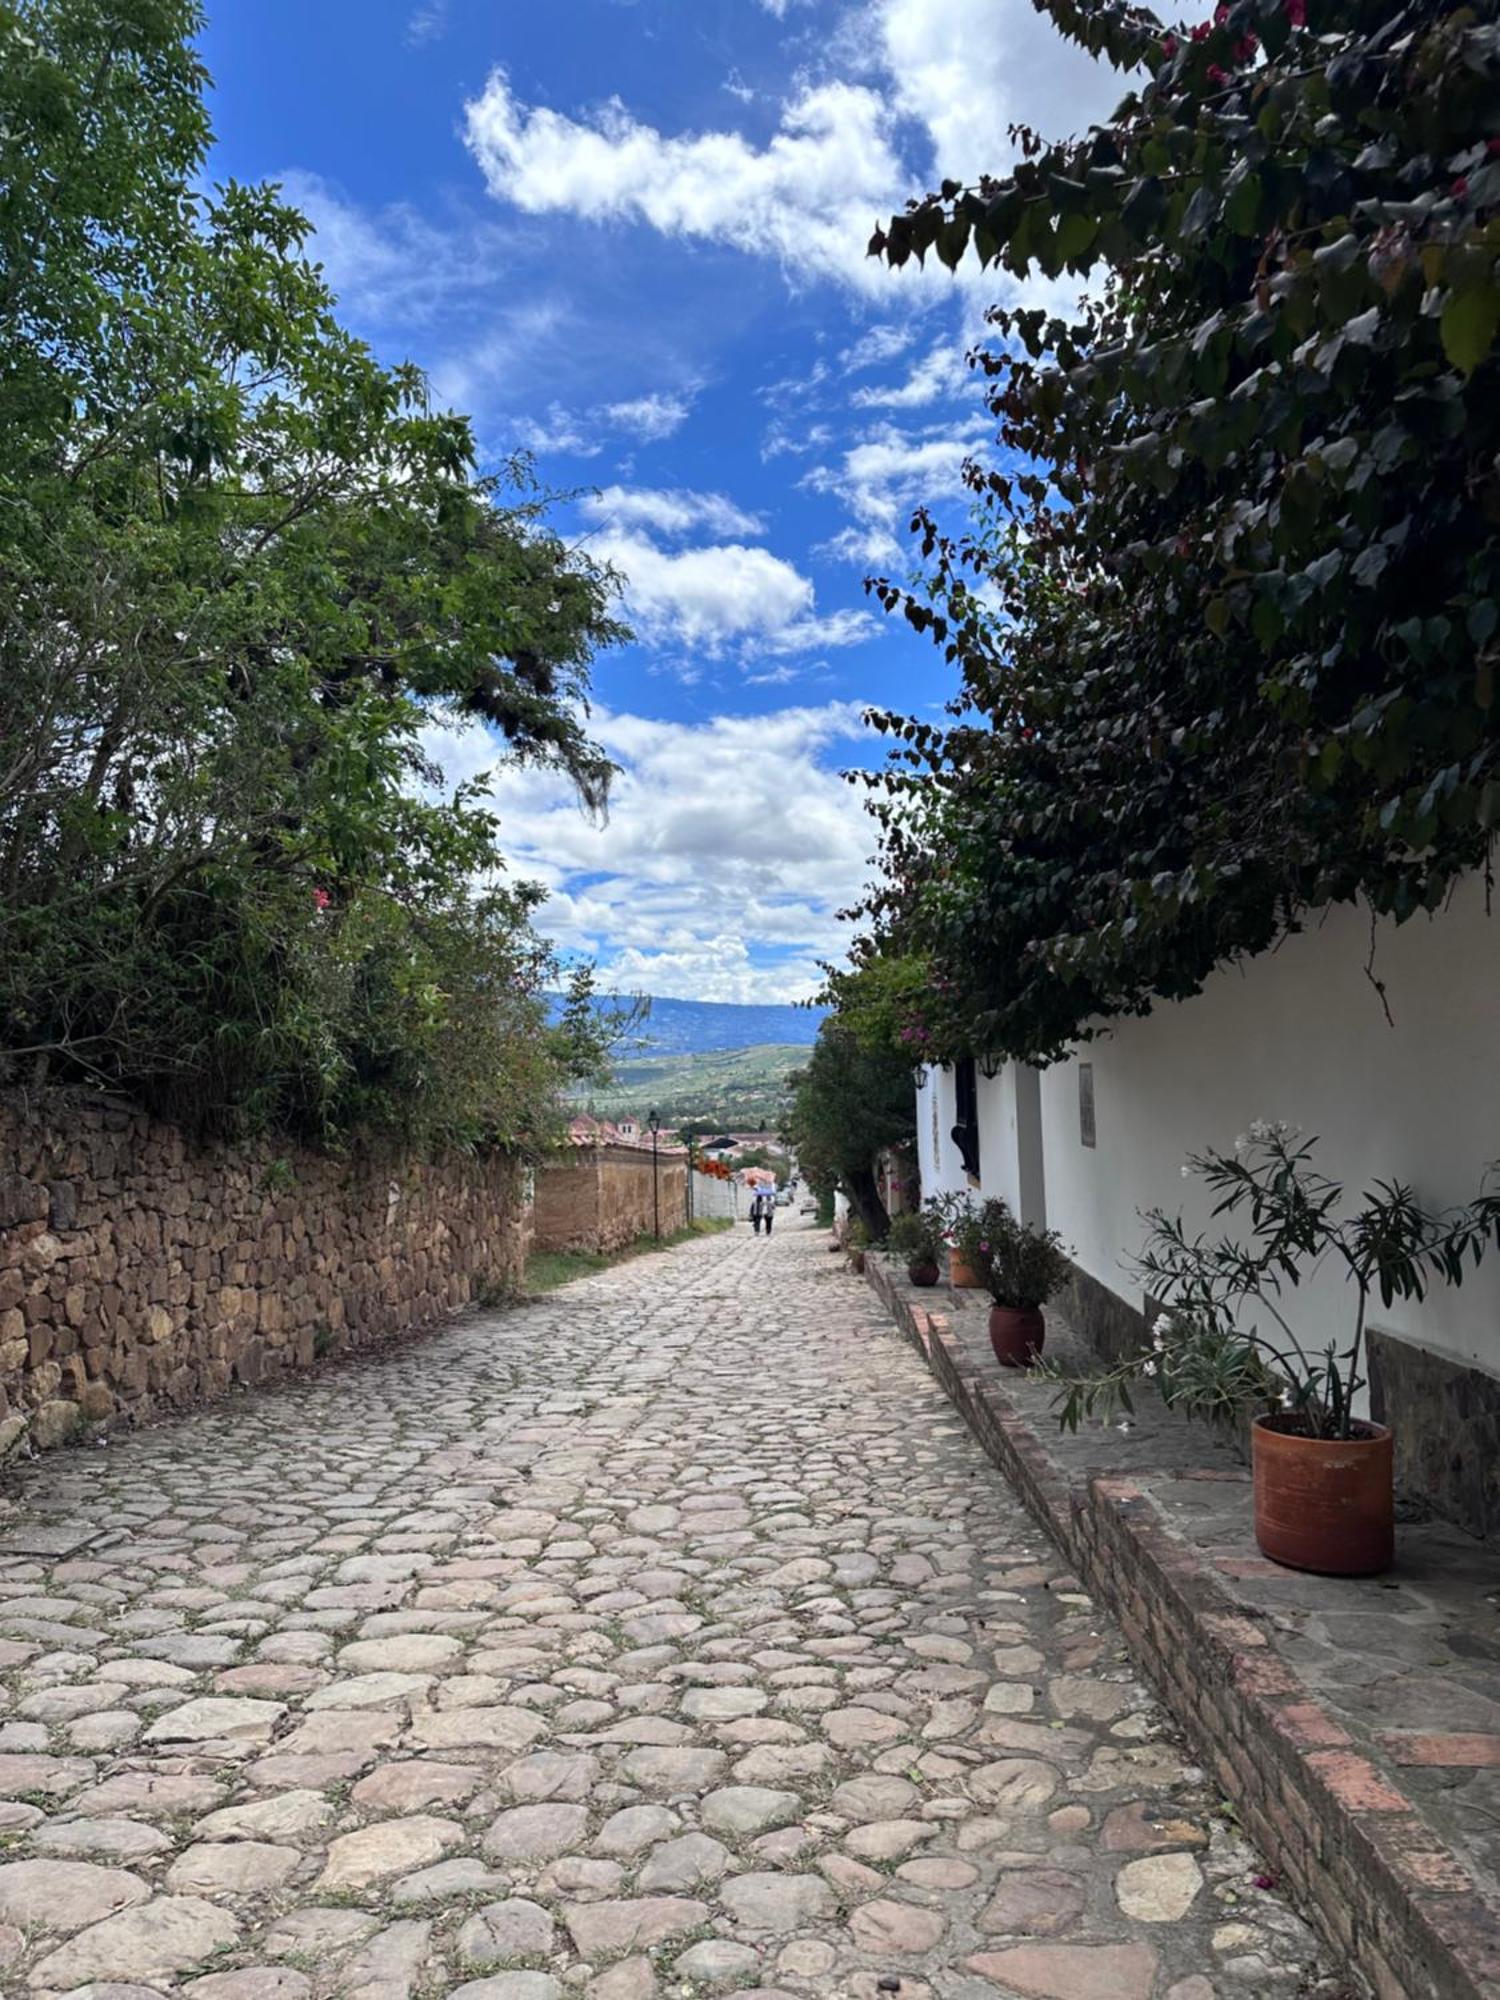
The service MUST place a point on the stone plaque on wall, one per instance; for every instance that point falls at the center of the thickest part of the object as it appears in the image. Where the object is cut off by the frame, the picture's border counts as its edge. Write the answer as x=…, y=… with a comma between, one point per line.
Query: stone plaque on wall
x=1086, y=1131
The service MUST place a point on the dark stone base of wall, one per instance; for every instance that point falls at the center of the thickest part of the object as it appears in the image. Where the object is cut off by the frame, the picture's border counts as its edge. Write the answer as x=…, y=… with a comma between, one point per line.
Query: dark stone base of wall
x=1353, y=1849
x=1446, y=1421
x=1110, y=1325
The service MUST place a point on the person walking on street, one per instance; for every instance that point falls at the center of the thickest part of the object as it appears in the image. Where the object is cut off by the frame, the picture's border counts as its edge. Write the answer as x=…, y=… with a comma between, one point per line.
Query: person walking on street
x=768, y=1199
x=755, y=1210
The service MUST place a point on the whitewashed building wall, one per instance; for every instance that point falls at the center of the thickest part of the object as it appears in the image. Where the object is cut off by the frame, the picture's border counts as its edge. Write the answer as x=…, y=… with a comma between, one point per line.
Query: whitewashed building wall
x=1300, y=1034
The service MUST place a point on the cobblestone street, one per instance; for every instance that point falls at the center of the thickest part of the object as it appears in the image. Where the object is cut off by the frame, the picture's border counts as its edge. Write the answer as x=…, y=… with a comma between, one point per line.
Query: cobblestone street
x=669, y=1636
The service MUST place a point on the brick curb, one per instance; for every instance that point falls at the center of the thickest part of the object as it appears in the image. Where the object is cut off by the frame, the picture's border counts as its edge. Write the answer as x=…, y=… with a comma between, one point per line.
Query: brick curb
x=1355, y=1852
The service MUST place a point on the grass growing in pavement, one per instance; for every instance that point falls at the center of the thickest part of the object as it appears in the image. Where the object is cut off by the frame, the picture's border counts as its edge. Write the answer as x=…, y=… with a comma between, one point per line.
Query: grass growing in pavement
x=550, y=1268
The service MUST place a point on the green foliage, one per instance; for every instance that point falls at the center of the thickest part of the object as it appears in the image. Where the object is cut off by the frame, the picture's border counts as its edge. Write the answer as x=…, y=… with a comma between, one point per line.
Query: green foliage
x=1020, y=1264
x=849, y=1104
x=549, y=1269
x=916, y=1236
x=245, y=571
x=1227, y=1339
x=1228, y=615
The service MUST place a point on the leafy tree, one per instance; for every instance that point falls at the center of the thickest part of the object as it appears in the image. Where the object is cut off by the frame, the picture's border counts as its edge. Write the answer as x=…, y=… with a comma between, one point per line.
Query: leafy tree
x=244, y=569
x=849, y=1104
x=1228, y=614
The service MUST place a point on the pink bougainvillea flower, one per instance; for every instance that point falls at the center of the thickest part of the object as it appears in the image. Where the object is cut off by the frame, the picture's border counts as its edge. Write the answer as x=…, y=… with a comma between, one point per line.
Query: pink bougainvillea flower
x=1460, y=187
x=1245, y=48
x=1221, y=14
x=1216, y=74
x=1202, y=32
x=1169, y=45
x=1296, y=13
x=321, y=898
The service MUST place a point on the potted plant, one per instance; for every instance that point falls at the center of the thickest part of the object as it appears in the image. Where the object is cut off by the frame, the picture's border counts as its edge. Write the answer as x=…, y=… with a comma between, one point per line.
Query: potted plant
x=1226, y=1342
x=958, y=1222
x=1022, y=1267
x=916, y=1237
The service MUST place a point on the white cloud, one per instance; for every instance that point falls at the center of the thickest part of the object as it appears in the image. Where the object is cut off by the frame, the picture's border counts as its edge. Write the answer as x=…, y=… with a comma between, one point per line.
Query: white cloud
x=966, y=70
x=940, y=375
x=722, y=595
x=729, y=848
x=784, y=440
x=428, y=23
x=674, y=511
x=649, y=417
x=875, y=346
x=806, y=199
x=884, y=476
x=395, y=263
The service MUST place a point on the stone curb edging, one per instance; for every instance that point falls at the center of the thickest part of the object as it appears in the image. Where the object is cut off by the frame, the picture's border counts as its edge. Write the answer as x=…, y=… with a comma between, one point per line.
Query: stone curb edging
x=1356, y=1854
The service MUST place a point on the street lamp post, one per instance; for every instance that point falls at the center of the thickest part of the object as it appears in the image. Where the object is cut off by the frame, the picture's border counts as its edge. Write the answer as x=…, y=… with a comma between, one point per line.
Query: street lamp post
x=691, y=1134
x=653, y=1119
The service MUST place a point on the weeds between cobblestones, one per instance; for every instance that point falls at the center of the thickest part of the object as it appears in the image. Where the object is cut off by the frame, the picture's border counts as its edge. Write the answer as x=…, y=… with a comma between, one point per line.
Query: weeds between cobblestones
x=667, y=1635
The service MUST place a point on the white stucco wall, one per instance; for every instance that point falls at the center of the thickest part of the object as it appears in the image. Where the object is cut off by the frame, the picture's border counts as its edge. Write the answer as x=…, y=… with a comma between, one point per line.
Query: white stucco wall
x=1009, y=1115
x=1298, y=1034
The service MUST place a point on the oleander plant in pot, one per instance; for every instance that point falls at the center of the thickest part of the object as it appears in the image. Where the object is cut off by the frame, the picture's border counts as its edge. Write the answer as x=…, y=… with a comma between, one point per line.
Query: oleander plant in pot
x=916, y=1237
x=1022, y=1268
x=1226, y=1340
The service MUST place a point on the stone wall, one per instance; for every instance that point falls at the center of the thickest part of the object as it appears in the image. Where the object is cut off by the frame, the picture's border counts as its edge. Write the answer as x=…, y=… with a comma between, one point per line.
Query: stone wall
x=141, y=1272
x=601, y=1199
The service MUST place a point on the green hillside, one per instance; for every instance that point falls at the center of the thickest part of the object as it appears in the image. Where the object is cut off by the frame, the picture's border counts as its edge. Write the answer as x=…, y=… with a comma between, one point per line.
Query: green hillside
x=741, y=1089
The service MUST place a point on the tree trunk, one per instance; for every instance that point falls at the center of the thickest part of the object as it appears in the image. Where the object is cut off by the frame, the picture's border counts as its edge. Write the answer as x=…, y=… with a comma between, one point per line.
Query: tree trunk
x=863, y=1191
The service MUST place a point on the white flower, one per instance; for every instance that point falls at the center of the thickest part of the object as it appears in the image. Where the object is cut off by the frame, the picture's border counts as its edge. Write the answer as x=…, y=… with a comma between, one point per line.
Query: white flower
x=1187, y=1173
x=1148, y=1367
x=1242, y=1143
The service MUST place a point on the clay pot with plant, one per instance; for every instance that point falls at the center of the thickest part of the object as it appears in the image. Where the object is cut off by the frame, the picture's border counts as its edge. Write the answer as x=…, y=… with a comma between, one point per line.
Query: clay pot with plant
x=957, y=1217
x=1226, y=1343
x=856, y=1243
x=1022, y=1268
x=916, y=1237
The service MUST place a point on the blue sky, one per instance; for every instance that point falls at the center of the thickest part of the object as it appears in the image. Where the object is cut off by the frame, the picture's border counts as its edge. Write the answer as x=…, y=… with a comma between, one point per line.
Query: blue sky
x=629, y=236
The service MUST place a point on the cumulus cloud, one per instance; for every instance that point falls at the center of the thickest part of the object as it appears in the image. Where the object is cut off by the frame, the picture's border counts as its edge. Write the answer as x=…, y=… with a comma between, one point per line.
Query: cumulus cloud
x=674, y=511
x=649, y=417
x=805, y=199
x=941, y=374
x=965, y=70
x=704, y=883
x=722, y=595
x=881, y=478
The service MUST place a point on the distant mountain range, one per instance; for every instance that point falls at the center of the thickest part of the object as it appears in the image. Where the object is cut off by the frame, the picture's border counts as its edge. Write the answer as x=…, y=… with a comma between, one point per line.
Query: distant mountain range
x=707, y=1027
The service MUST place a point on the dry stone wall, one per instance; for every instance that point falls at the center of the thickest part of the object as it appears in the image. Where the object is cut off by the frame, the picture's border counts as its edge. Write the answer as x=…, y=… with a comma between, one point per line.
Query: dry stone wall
x=141, y=1272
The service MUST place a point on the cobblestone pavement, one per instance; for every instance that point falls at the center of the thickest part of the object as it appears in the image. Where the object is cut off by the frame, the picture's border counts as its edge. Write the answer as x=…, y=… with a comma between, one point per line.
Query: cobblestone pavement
x=668, y=1636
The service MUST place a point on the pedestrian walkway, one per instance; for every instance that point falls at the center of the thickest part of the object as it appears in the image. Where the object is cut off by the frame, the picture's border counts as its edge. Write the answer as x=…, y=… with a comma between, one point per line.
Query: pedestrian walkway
x=668, y=1636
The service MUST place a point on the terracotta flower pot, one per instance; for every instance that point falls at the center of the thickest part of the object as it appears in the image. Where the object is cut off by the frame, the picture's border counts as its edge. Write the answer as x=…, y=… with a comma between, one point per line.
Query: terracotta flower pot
x=1016, y=1334
x=923, y=1273
x=961, y=1273
x=1324, y=1504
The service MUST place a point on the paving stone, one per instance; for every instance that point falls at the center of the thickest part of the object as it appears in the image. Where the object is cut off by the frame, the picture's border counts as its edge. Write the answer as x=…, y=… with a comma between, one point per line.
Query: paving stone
x=746, y=1809
x=390, y=1847
x=1159, y=1888
x=536, y=1833
x=775, y=1902
x=231, y=1868
x=885, y=1927
x=1071, y=1971
x=631, y=1924
x=515, y=1928
x=1034, y=1902
x=64, y=1895
x=234, y=1719
x=153, y=1941
x=668, y=1632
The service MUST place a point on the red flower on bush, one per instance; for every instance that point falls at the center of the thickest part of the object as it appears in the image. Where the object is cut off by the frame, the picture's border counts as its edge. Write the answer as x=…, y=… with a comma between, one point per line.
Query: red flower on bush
x=1169, y=46
x=1245, y=48
x=1296, y=13
x=1202, y=32
x=1216, y=74
x=321, y=899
